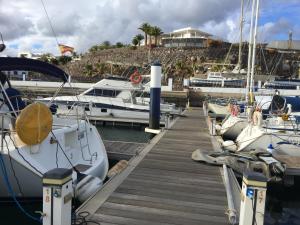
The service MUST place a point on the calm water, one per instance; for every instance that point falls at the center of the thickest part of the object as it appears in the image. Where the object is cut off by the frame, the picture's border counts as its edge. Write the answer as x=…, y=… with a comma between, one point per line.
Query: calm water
x=282, y=208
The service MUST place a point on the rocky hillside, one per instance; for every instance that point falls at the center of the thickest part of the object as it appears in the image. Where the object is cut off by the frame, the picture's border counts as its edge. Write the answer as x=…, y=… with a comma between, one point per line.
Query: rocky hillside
x=176, y=62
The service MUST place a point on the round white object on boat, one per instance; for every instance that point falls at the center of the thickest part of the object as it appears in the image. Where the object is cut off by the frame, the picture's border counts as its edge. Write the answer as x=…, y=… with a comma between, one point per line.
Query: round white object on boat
x=229, y=145
x=218, y=127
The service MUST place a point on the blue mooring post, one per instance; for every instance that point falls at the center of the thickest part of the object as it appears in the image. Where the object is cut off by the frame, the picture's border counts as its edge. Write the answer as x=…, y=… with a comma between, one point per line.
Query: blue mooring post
x=155, y=90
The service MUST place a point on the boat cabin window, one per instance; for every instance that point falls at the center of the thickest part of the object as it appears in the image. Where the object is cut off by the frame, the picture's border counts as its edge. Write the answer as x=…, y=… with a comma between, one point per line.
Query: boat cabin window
x=103, y=110
x=103, y=92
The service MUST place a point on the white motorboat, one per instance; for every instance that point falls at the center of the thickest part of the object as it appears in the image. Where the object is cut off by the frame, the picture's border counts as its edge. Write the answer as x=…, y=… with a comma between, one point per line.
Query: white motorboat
x=110, y=97
x=33, y=141
x=216, y=79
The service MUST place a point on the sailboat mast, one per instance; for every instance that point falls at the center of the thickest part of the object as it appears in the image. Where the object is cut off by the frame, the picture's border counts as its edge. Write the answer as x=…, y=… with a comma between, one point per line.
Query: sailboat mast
x=241, y=36
x=254, y=48
x=250, y=52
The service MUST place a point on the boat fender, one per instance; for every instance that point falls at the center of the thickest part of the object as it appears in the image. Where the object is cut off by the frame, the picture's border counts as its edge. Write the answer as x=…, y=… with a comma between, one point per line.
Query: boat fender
x=289, y=109
x=218, y=127
x=257, y=119
x=229, y=145
x=118, y=168
x=87, y=186
x=234, y=110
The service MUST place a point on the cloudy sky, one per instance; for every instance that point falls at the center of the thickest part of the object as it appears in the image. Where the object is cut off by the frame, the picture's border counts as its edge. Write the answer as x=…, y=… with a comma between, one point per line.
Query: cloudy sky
x=83, y=23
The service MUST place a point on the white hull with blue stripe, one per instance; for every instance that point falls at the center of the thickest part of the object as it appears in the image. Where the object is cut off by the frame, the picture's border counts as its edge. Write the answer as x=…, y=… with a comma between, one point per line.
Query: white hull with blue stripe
x=110, y=98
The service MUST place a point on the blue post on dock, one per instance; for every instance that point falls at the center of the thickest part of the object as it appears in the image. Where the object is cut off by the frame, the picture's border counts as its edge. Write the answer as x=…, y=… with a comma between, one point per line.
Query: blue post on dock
x=155, y=91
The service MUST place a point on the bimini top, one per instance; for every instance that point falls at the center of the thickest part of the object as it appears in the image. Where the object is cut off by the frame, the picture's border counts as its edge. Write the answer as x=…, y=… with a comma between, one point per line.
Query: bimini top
x=13, y=63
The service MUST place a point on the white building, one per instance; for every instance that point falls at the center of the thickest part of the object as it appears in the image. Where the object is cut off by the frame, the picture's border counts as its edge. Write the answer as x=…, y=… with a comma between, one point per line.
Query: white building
x=188, y=37
x=19, y=74
x=29, y=55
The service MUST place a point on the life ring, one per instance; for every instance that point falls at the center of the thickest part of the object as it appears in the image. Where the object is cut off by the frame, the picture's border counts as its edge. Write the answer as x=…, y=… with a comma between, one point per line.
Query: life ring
x=135, y=78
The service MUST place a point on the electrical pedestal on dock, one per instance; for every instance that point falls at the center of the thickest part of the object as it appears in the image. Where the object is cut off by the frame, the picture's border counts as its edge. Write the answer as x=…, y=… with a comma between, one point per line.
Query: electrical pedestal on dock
x=57, y=197
x=253, y=199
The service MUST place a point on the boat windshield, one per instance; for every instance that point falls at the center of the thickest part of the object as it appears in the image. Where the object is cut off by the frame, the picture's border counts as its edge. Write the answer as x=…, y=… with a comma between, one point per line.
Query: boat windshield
x=103, y=93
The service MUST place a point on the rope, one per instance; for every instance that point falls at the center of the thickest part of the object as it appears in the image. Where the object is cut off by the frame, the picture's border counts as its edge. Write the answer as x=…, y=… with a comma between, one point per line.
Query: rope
x=12, y=193
x=12, y=167
x=49, y=21
x=24, y=157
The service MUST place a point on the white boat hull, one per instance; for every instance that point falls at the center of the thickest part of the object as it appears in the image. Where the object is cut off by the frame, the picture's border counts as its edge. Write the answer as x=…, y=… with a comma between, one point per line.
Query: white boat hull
x=255, y=138
x=232, y=127
x=83, y=147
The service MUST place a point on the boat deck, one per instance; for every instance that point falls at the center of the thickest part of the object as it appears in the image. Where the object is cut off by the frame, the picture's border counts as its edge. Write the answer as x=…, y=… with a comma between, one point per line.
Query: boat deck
x=163, y=185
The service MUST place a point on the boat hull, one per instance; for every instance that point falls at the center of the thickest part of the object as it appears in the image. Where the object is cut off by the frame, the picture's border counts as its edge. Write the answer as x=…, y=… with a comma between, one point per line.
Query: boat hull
x=254, y=138
x=233, y=132
x=75, y=145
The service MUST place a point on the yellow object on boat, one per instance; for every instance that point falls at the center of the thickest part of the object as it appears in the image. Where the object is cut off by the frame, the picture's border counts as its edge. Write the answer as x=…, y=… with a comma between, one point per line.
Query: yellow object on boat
x=34, y=123
x=285, y=117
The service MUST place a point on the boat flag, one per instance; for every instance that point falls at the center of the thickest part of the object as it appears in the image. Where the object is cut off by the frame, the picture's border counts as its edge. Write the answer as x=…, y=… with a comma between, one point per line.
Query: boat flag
x=64, y=48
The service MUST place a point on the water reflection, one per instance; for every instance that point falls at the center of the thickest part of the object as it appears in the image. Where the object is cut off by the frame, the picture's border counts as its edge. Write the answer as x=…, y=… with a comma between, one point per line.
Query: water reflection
x=283, y=205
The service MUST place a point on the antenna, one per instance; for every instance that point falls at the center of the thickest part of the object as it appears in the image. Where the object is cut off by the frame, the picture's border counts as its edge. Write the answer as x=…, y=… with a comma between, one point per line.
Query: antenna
x=2, y=46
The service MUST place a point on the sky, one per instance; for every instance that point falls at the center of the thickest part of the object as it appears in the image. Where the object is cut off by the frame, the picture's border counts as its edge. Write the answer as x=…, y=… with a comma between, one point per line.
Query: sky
x=84, y=23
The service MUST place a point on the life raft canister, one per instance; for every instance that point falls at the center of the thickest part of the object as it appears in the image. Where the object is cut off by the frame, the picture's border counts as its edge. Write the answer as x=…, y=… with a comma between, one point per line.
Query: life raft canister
x=136, y=78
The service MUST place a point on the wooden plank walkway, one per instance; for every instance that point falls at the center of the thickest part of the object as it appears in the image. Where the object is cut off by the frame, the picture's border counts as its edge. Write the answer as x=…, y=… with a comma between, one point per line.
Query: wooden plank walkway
x=167, y=186
x=119, y=150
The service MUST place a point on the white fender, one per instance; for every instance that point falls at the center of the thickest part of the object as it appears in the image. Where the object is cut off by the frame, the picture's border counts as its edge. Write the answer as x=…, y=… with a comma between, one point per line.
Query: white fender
x=229, y=145
x=257, y=119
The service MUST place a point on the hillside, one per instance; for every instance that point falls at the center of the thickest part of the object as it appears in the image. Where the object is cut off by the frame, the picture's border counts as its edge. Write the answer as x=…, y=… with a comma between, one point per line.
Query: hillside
x=177, y=63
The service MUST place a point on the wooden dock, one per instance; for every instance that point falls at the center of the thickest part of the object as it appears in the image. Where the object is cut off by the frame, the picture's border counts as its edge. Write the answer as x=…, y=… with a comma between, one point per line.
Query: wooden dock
x=118, y=150
x=163, y=185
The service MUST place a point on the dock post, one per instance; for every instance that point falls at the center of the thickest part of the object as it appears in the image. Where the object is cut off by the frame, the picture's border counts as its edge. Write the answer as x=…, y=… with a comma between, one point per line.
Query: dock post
x=253, y=199
x=212, y=127
x=259, y=84
x=167, y=120
x=57, y=197
x=155, y=91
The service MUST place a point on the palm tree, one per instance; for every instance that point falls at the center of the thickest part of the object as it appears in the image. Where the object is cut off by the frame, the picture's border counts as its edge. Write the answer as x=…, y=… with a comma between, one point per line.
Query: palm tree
x=145, y=27
x=139, y=37
x=135, y=41
x=156, y=32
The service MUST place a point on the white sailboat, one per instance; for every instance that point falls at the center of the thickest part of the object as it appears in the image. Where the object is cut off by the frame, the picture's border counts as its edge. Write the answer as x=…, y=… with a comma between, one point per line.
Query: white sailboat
x=278, y=131
x=33, y=141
